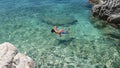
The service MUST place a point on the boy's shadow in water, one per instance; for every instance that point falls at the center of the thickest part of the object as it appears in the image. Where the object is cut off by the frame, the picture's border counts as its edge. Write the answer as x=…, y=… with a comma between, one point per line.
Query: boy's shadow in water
x=65, y=42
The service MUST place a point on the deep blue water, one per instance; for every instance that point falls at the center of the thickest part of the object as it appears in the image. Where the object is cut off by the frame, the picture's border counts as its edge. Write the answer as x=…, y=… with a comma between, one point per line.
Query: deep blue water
x=27, y=24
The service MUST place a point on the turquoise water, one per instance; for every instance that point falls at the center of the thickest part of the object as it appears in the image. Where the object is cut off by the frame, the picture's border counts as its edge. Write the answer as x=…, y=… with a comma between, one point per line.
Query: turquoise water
x=27, y=24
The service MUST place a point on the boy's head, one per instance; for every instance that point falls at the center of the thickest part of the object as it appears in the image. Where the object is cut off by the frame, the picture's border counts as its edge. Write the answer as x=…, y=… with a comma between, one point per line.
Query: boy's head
x=52, y=30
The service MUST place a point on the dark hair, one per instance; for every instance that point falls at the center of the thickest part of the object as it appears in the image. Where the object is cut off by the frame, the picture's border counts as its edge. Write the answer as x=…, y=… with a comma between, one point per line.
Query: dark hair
x=52, y=30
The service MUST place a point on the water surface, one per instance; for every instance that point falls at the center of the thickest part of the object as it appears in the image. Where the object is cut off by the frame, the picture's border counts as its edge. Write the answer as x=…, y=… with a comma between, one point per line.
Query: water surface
x=27, y=24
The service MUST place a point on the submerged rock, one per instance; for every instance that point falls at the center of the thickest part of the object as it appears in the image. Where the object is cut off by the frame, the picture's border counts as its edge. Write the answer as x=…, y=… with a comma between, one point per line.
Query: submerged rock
x=108, y=10
x=59, y=19
x=10, y=58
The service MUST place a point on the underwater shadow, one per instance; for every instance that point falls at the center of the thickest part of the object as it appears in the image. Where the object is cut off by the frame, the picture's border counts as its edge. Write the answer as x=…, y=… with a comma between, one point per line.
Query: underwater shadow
x=65, y=42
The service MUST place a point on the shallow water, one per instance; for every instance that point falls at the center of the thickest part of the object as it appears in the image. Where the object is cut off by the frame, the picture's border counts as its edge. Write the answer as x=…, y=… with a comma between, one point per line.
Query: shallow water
x=28, y=23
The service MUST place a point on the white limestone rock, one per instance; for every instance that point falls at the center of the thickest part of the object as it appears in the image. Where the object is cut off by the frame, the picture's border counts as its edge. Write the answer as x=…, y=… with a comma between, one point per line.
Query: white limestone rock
x=7, y=53
x=10, y=58
x=22, y=61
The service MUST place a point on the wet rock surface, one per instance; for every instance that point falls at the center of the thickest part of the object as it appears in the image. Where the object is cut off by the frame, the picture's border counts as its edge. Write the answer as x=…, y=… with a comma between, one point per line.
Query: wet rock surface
x=10, y=58
x=108, y=10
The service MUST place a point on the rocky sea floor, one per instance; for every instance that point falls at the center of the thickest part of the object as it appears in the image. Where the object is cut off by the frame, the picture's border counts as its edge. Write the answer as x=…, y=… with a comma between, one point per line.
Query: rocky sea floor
x=90, y=43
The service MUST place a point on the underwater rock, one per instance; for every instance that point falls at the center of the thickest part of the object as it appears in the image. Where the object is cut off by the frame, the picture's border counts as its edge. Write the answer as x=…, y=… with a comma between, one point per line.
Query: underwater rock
x=59, y=19
x=114, y=35
x=108, y=10
x=10, y=58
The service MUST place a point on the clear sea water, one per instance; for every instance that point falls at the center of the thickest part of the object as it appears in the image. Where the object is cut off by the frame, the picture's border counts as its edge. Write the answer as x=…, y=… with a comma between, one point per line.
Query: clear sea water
x=90, y=44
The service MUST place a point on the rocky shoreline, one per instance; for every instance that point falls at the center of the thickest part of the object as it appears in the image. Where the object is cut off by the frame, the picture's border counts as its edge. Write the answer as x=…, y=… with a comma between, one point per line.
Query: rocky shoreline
x=108, y=10
x=11, y=58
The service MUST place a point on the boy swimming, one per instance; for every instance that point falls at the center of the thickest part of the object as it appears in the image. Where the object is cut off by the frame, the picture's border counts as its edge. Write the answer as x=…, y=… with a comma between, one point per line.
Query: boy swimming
x=59, y=32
